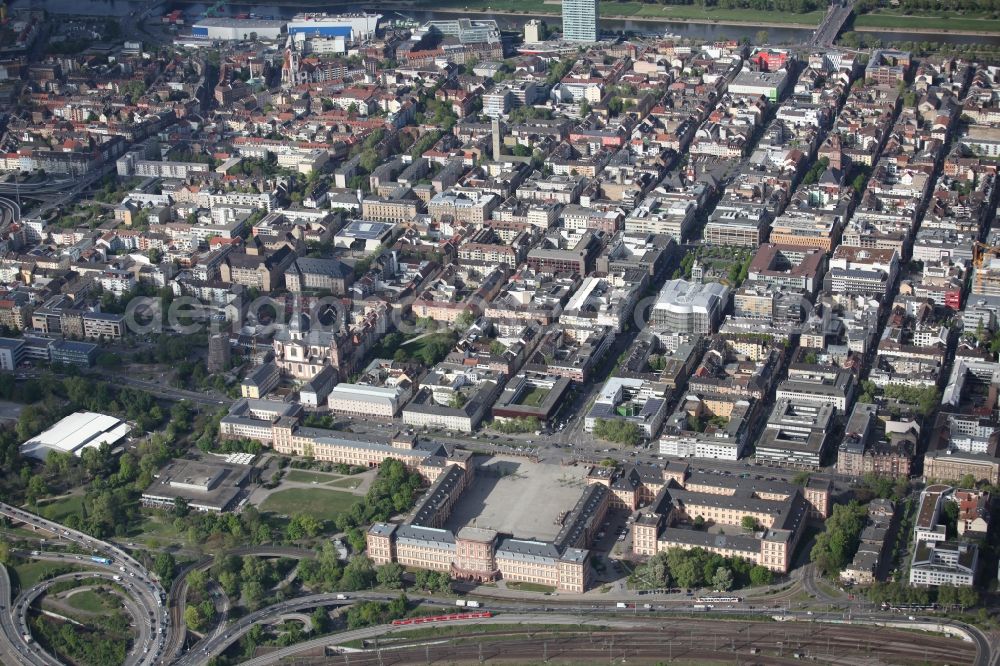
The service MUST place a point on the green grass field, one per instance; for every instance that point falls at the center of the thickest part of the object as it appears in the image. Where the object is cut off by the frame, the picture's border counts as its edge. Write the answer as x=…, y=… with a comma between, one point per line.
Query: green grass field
x=534, y=397
x=530, y=587
x=303, y=476
x=967, y=23
x=157, y=527
x=416, y=346
x=58, y=510
x=319, y=502
x=641, y=10
x=345, y=483
x=32, y=572
x=89, y=601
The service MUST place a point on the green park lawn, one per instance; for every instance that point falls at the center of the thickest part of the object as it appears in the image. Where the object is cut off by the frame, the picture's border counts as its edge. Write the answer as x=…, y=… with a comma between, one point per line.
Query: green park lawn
x=158, y=527
x=345, y=483
x=534, y=397
x=970, y=22
x=30, y=573
x=320, y=503
x=303, y=476
x=60, y=509
x=641, y=10
x=88, y=600
x=530, y=587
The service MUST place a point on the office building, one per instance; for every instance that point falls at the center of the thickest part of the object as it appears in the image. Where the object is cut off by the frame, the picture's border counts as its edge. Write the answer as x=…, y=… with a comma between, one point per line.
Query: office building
x=944, y=563
x=11, y=353
x=362, y=401
x=796, y=434
x=636, y=401
x=206, y=485
x=689, y=307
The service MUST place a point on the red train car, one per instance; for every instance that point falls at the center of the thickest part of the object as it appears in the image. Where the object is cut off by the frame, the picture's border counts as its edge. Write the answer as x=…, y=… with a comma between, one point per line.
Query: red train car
x=443, y=618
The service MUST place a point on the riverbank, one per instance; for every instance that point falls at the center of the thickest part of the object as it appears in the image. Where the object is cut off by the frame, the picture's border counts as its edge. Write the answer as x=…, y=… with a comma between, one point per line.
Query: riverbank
x=636, y=15
x=749, y=18
x=645, y=19
x=637, y=11
x=928, y=31
x=610, y=10
x=926, y=25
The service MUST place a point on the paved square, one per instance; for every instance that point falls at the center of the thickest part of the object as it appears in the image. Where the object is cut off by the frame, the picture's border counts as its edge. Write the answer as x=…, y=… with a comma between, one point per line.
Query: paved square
x=515, y=496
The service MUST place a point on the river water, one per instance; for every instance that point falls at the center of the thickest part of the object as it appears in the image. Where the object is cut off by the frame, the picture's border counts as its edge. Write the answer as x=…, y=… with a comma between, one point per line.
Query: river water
x=506, y=21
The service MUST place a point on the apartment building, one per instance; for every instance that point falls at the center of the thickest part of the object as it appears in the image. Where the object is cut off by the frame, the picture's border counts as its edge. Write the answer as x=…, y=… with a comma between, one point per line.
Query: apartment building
x=862, y=452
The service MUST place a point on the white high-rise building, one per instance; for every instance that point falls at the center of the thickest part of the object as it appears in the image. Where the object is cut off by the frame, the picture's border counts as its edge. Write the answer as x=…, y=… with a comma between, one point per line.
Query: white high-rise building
x=580, y=20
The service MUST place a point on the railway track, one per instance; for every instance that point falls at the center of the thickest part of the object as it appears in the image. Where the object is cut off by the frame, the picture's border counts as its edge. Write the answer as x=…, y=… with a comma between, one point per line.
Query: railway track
x=690, y=642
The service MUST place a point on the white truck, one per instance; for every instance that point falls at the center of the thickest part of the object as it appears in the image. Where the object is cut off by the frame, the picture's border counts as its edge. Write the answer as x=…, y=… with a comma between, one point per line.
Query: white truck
x=621, y=604
x=472, y=603
x=342, y=597
x=460, y=602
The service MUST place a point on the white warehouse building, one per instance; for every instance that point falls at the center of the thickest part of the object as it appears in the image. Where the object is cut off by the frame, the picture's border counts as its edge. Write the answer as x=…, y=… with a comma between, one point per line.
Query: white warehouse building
x=231, y=29
x=351, y=27
x=75, y=433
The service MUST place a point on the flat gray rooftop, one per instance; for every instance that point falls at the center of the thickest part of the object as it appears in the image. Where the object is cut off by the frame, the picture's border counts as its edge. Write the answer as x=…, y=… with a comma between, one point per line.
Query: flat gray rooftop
x=518, y=497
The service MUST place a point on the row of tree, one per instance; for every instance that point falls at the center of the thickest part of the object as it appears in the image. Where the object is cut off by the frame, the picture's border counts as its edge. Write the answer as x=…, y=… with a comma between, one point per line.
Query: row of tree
x=898, y=593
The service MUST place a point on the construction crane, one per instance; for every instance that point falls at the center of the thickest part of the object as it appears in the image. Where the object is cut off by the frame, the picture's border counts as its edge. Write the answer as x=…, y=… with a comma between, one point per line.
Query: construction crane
x=210, y=11
x=981, y=250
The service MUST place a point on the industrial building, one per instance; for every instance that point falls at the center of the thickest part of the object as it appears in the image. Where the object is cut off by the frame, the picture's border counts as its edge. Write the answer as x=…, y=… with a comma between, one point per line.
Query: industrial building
x=232, y=29
x=351, y=27
x=206, y=485
x=75, y=433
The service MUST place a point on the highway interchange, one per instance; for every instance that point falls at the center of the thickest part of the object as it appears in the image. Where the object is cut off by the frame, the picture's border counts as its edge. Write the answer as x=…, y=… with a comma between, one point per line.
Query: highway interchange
x=144, y=593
